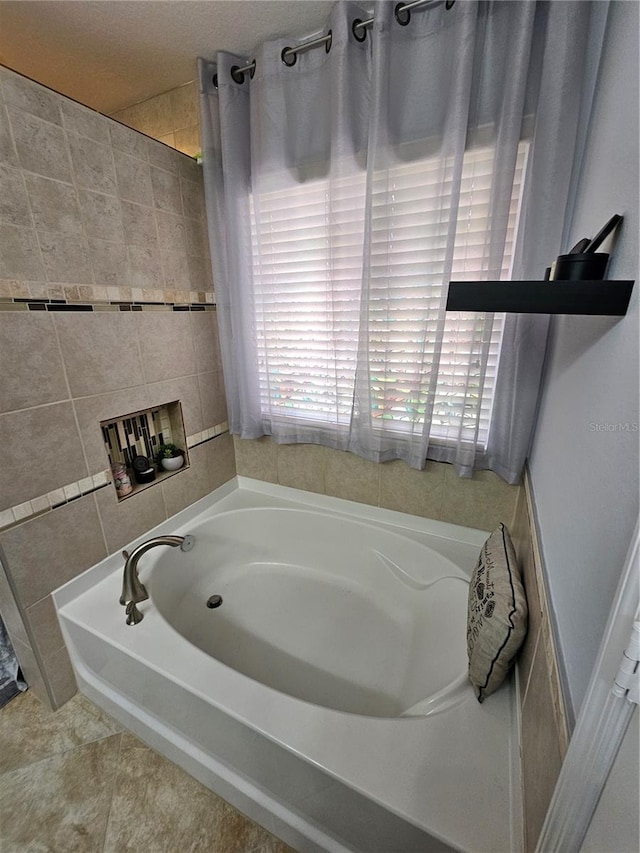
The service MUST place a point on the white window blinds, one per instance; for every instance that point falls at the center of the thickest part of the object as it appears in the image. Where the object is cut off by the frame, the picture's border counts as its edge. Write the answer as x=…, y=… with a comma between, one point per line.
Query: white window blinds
x=307, y=266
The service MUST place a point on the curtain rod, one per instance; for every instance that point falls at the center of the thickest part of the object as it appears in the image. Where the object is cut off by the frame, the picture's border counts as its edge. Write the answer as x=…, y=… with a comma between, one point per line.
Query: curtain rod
x=289, y=55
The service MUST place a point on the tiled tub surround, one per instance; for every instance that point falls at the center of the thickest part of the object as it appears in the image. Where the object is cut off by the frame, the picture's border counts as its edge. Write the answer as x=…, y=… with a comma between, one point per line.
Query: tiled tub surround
x=96, y=222
x=63, y=374
x=544, y=729
x=437, y=492
x=91, y=210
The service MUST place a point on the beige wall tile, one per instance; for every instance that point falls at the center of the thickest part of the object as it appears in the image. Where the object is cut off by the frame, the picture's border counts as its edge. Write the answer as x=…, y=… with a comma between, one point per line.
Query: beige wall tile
x=206, y=340
x=85, y=122
x=184, y=105
x=9, y=610
x=161, y=155
x=46, y=452
x=416, y=492
x=190, y=170
x=133, y=178
x=124, y=521
x=45, y=628
x=166, y=191
x=54, y=205
x=197, y=238
x=171, y=232
x=186, y=390
x=41, y=146
x=168, y=139
x=100, y=352
x=20, y=254
x=122, y=139
x=541, y=757
x=154, y=115
x=101, y=216
x=7, y=150
x=59, y=673
x=139, y=225
x=193, y=197
x=129, y=117
x=200, y=273
x=302, y=466
x=351, y=477
x=221, y=460
x=90, y=411
x=159, y=360
x=30, y=97
x=109, y=263
x=65, y=258
x=521, y=535
x=144, y=267
x=189, y=485
x=257, y=458
x=175, y=270
x=92, y=164
x=49, y=550
x=188, y=141
x=212, y=397
x=14, y=205
x=481, y=502
x=32, y=371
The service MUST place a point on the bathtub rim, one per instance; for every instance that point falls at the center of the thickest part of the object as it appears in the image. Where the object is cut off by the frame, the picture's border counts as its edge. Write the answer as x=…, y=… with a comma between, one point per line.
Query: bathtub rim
x=396, y=521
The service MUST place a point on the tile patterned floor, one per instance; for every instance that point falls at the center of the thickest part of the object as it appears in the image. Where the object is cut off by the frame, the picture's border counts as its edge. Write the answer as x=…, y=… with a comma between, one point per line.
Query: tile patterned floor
x=74, y=782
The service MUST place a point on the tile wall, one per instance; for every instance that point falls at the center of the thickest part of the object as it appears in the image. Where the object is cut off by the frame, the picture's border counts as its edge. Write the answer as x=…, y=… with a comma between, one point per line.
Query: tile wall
x=106, y=307
x=173, y=118
x=544, y=730
x=93, y=212
x=436, y=492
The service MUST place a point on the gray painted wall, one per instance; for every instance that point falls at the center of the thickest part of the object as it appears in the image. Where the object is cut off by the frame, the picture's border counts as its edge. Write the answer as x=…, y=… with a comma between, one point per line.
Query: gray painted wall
x=585, y=481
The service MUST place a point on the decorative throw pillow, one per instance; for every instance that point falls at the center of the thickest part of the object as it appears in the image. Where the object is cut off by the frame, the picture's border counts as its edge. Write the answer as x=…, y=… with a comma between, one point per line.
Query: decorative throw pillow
x=497, y=613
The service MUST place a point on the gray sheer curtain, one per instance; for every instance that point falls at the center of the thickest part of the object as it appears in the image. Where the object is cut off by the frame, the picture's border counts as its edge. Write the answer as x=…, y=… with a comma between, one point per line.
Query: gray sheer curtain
x=341, y=131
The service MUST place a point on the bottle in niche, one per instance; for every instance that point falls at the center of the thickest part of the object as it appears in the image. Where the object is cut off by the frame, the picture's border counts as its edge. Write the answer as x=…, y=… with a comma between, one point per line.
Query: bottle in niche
x=121, y=479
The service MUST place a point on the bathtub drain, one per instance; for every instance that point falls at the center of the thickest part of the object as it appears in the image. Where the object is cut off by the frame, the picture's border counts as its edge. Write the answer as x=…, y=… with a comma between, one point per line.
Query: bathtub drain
x=214, y=601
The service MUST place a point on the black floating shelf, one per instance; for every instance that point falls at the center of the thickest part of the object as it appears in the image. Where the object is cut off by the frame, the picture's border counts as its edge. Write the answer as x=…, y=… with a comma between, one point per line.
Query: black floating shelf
x=602, y=298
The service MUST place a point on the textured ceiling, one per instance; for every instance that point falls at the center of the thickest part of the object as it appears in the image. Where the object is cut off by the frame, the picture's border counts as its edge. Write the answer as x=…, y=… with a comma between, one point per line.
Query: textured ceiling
x=109, y=54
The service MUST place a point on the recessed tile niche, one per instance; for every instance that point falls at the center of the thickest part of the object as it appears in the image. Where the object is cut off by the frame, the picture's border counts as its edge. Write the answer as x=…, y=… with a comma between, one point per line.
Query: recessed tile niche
x=141, y=434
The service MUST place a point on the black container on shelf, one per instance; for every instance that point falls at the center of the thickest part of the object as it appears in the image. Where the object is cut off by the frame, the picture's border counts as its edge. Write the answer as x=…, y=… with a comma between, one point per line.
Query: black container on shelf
x=583, y=266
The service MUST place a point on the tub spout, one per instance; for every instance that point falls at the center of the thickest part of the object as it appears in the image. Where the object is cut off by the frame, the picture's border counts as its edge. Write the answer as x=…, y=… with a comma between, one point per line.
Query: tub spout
x=133, y=590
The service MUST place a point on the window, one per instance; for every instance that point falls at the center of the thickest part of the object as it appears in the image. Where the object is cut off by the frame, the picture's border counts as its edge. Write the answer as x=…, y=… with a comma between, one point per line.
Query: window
x=308, y=249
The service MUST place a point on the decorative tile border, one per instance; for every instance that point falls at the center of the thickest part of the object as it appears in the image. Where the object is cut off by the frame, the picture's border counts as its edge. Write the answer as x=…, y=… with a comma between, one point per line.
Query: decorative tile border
x=36, y=296
x=54, y=499
x=71, y=492
x=207, y=434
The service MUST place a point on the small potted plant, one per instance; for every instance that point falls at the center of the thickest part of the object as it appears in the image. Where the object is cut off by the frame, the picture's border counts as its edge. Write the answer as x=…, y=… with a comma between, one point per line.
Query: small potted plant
x=169, y=457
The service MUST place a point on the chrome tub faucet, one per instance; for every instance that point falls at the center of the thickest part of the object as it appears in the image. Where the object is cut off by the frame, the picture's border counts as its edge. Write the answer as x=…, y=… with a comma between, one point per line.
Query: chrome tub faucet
x=133, y=590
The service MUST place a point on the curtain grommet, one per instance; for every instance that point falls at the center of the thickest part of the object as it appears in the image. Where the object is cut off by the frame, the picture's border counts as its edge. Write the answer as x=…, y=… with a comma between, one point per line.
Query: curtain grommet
x=288, y=57
x=329, y=42
x=355, y=26
x=402, y=14
x=236, y=75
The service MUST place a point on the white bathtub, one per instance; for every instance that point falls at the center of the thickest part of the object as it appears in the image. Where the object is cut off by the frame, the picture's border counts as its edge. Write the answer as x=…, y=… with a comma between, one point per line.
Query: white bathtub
x=327, y=696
